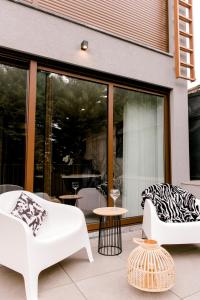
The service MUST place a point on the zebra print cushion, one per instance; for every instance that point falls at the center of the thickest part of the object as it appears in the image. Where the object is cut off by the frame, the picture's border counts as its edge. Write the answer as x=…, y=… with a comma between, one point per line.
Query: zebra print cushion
x=30, y=212
x=173, y=204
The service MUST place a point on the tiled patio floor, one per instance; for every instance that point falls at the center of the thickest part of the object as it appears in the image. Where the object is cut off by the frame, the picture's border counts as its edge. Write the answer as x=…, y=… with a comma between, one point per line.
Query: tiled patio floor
x=77, y=279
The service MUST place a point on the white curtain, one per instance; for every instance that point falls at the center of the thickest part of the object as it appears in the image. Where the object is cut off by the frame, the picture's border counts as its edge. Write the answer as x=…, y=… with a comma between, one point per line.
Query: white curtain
x=143, y=151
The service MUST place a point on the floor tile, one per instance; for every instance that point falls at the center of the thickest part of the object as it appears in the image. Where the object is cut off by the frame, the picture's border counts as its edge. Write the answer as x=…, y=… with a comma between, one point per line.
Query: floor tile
x=128, y=243
x=127, y=248
x=114, y=286
x=195, y=296
x=53, y=277
x=11, y=285
x=129, y=236
x=106, y=278
x=187, y=272
x=78, y=267
x=67, y=292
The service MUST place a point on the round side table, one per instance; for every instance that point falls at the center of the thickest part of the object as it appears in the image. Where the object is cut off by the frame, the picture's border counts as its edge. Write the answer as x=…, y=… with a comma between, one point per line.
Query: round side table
x=110, y=240
x=70, y=199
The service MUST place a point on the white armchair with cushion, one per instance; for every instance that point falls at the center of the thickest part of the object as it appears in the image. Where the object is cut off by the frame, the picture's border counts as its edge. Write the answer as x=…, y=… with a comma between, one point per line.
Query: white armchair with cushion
x=62, y=233
x=180, y=225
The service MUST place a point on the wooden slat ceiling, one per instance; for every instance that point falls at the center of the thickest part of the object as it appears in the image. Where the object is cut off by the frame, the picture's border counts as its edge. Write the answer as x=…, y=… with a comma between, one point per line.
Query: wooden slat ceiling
x=141, y=21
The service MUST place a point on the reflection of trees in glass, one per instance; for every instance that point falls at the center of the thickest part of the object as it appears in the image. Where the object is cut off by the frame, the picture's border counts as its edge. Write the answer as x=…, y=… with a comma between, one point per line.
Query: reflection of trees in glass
x=12, y=100
x=12, y=123
x=79, y=109
x=40, y=123
x=121, y=96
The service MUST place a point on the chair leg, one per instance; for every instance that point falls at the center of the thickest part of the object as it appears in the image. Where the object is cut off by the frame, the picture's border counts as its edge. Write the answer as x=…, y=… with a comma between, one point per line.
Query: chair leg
x=89, y=253
x=31, y=286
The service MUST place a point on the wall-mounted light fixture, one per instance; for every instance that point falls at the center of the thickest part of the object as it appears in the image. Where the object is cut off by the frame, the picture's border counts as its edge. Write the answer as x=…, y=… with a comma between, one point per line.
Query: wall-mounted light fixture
x=84, y=45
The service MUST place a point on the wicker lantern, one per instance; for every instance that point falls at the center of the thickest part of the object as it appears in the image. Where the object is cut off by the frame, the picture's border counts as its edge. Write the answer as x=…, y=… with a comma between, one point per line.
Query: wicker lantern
x=150, y=267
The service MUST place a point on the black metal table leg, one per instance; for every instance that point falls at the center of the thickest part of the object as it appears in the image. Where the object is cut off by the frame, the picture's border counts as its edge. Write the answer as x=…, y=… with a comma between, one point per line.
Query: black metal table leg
x=110, y=240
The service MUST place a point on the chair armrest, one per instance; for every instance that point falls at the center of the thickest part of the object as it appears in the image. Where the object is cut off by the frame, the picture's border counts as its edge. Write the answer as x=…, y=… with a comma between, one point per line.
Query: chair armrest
x=150, y=219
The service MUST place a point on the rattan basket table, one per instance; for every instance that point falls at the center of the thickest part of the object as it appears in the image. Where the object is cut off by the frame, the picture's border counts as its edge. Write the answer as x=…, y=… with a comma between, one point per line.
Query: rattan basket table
x=110, y=241
x=150, y=267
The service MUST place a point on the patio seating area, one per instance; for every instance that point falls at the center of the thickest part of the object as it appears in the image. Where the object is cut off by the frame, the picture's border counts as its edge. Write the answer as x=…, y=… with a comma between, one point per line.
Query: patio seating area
x=106, y=278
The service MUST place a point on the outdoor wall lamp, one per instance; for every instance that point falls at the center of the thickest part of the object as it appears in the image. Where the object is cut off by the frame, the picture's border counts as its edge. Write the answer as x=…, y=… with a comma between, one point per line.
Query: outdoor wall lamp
x=84, y=45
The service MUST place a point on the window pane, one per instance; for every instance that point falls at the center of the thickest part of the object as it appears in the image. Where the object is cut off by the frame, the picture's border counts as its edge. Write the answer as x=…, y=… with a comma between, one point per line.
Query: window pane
x=12, y=124
x=138, y=145
x=71, y=140
x=194, y=135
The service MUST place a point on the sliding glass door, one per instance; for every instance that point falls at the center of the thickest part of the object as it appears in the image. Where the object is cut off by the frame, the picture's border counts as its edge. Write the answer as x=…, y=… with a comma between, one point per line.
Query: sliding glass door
x=71, y=141
x=12, y=124
x=138, y=151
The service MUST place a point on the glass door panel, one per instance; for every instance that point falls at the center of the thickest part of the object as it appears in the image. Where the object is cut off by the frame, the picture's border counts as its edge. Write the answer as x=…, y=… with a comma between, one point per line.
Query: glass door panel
x=71, y=141
x=12, y=124
x=138, y=145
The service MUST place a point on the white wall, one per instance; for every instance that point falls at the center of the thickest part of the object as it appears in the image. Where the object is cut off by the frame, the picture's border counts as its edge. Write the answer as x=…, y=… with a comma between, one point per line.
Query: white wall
x=193, y=187
x=179, y=133
x=32, y=31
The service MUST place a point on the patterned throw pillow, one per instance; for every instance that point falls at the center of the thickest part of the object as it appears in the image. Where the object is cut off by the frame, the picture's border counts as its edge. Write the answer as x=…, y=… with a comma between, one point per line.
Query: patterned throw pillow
x=30, y=212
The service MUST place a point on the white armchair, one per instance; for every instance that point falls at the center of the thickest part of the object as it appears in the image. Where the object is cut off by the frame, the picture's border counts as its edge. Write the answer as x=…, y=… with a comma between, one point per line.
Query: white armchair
x=168, y=233
x=63, y=232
